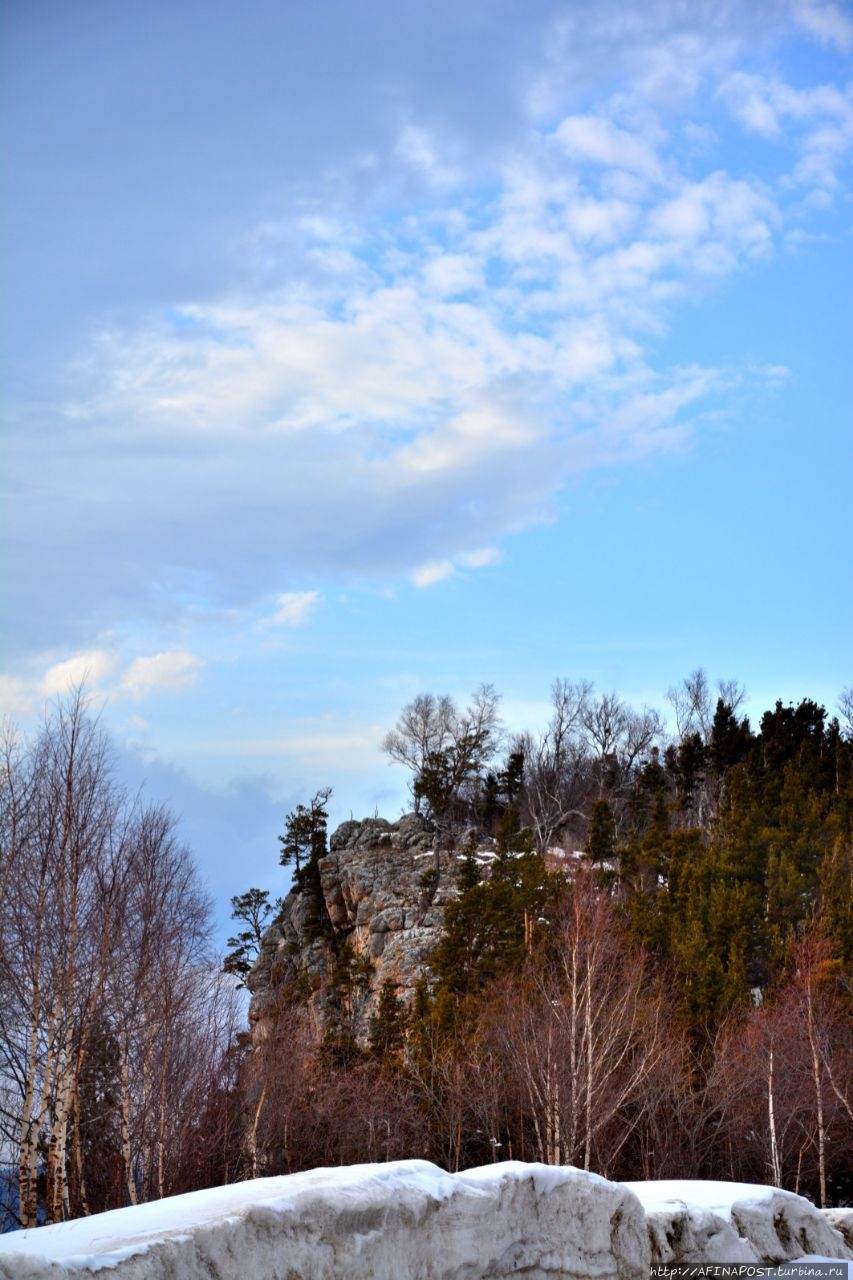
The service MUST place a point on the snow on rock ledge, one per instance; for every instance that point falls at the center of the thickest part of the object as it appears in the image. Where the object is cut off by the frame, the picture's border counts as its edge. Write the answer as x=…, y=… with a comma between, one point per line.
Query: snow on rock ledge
x=696, y=1222
x=402, y=1221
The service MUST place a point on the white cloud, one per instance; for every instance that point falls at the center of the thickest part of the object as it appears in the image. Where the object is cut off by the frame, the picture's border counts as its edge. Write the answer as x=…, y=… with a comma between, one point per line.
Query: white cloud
x=89, y=667
x=427, y=378
x=748, y=100
x=826, y=21
x=417, y=147
x=732, y=214
x=174, y=669
x=465, y=439
x=16, y=695
x=427, y=575
x=818, y=121
x=597, y=140
x=450, y=274
x=293, y=609
x=481, y=558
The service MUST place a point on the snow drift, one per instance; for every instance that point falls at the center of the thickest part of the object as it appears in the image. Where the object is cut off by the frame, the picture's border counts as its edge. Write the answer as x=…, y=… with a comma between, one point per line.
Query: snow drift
x=367, y=1222
x=411, y=1221
x=695, y=1222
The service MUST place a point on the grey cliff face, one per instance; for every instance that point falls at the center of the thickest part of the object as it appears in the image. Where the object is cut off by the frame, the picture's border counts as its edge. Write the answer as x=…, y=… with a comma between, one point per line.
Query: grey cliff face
x=379, y=888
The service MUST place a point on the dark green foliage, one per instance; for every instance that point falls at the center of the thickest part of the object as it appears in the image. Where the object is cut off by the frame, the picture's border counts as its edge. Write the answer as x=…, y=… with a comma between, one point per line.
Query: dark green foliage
x=469, y=868
x=722, y=854
x=439, y=788
x=388, y=1024
x=730, y=740
x=492, y=922
x=252, y=907
x=688, y=767
x=349, y=981
x=721, y=902
x=601, y=836
x=501, y=790
x=303, y=845
x=304, y=838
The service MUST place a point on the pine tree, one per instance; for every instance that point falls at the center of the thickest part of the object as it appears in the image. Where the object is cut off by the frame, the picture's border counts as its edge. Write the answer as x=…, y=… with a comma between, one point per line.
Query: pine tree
x=304, y=836
x=254, y=908
x=387, y=1034
x=304, y=845
x=601, y=836
x=490, y=926
x=349, y=982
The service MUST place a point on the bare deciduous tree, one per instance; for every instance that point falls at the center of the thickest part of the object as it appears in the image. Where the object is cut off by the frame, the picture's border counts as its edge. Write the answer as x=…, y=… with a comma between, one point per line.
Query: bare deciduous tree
x=556, y=765
x=582, y=1034
x=447, y=751
x=782, y=1079
x=693, y=703
x=106, y=994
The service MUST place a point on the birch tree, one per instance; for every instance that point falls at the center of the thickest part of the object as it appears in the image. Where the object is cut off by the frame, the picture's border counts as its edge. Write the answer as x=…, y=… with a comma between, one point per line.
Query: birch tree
x=583, y=1034
x=105, y=967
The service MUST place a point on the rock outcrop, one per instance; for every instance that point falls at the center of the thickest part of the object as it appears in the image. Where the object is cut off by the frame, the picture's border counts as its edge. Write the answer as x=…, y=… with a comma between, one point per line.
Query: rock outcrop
x=382, y=896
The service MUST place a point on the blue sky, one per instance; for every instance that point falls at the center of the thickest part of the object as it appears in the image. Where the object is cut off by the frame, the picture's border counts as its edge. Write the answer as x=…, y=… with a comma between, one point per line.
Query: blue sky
x=352, y=351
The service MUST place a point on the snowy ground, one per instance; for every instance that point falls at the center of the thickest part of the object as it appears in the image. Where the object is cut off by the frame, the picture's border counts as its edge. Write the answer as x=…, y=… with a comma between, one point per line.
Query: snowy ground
x=411, y=1221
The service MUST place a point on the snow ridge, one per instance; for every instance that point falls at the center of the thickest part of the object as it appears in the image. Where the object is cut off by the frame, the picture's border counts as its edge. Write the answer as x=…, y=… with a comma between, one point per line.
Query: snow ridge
x=409, y=1220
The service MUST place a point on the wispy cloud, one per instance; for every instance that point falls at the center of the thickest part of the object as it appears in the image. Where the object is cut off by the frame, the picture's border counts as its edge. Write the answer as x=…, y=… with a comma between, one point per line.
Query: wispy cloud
x=427, y=575
x=825, y=20
x=293, y=609
x=481, y=558
x=434, y=571
x=105, y=674
x=175, y=669
x=817, y=122
x=387, y=394
x=417, y=147
x=596, y=139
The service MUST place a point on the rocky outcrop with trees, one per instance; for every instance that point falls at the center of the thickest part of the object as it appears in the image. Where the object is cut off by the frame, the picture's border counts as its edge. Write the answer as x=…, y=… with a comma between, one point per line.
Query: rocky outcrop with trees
x=600, y=944
x=381, y=911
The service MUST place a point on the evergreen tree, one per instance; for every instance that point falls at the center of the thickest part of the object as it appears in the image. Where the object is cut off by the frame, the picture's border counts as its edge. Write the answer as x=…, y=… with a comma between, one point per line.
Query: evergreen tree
x=304, y=836
x=491, y=925
x=348, y=983
x=387, y=1034
x=252, y=907
x=730, y=740
x=304, y=844
x=601, y=836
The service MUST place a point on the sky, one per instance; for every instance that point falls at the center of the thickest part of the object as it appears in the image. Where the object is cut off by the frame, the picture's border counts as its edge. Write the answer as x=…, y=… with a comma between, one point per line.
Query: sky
x=351, y=351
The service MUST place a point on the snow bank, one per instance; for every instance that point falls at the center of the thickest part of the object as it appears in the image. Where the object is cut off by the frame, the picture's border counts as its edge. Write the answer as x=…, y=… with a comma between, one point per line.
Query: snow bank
x=403, y=1221
x=693, y=1222
x=842, y=1220
x=411, y=1221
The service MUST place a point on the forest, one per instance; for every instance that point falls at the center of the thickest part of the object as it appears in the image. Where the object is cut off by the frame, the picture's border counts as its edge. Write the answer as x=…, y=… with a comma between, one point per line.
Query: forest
x=653, y=977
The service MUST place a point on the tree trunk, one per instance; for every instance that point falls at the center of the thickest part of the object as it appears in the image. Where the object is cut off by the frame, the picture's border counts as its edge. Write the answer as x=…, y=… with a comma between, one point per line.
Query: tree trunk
x=818, y=1086
x=775, y=1164
x=253, y=1132
x=126, y=1151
